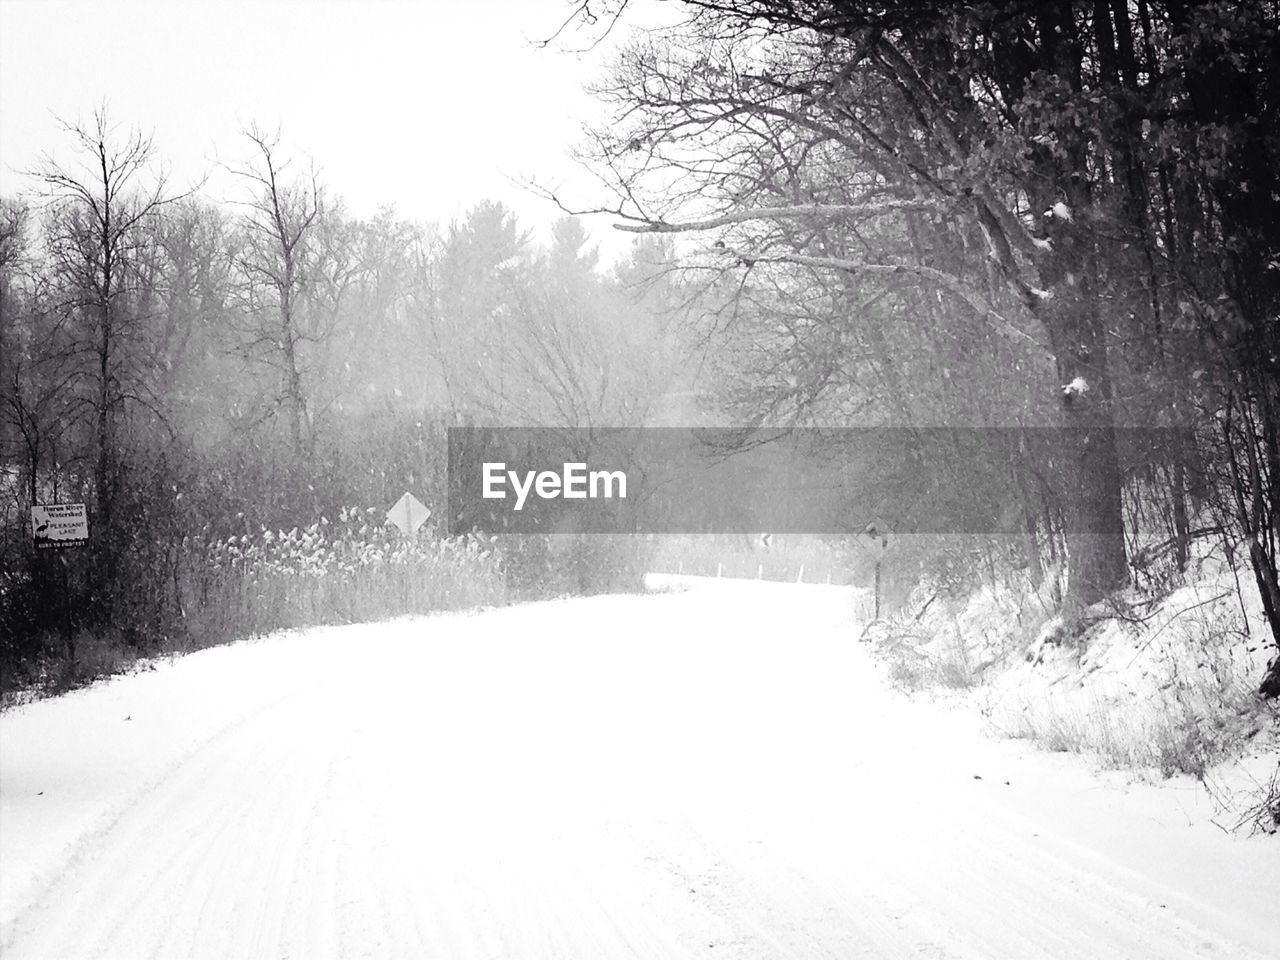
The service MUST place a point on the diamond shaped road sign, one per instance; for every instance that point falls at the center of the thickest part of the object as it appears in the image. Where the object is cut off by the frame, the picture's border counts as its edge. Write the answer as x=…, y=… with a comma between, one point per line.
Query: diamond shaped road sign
x=408, y=514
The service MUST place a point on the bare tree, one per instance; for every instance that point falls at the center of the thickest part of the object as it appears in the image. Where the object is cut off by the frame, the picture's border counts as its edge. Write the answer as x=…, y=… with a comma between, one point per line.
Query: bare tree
x=97, y=208
x=819, y=144
x=278, y=265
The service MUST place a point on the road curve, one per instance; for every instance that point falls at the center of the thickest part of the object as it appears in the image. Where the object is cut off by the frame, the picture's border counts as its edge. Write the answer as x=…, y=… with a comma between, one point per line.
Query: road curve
x=712, y=774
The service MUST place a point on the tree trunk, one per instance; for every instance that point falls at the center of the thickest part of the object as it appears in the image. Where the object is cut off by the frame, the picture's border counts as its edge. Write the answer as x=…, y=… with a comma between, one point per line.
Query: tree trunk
x=294, y=396
x=1181, y=526
x=1269, y=587
x=1090, y=465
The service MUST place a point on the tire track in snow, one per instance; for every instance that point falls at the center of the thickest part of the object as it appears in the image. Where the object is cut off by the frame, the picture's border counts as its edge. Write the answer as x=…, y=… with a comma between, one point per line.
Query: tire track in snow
x=175, y=835
x=68, y=859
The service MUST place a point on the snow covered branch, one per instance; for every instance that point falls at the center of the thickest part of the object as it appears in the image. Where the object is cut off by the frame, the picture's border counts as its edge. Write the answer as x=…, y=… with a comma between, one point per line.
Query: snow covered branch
x=775, y=213
x=938, y=278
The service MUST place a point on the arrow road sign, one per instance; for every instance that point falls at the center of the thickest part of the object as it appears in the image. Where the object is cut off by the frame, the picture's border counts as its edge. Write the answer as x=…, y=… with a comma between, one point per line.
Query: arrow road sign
x=408, y=514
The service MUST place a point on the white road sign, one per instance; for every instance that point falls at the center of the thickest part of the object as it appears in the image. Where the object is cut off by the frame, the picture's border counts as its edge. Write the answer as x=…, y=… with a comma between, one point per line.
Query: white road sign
x=56, y=525
x=408, y=514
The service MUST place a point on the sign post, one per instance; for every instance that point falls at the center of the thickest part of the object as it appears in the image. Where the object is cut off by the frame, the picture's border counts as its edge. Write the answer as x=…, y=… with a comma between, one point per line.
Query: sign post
x=55, y=526
x=877, y=530
x=59, y=526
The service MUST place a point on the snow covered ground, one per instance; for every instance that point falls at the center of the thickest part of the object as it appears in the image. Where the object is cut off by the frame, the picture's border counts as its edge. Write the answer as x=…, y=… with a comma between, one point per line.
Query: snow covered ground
x=713, y=773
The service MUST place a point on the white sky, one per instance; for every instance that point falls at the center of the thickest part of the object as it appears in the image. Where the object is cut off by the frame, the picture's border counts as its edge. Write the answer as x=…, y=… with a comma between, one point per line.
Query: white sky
x=427, y=105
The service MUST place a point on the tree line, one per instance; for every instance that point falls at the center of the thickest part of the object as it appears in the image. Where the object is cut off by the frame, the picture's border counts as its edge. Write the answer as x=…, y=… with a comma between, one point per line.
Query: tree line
x=198, y=369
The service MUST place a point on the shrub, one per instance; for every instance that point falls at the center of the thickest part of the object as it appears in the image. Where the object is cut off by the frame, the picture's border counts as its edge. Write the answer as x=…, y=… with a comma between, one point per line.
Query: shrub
x=225, y=588
x=351, y=570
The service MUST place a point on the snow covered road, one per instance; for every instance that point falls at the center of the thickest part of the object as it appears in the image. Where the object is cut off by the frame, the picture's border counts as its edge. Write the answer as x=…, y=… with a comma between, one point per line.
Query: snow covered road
x=718, y=773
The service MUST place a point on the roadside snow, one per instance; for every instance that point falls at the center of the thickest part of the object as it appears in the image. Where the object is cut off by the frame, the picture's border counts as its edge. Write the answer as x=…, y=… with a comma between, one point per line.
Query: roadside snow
x=1168, y=684
x=718, y=772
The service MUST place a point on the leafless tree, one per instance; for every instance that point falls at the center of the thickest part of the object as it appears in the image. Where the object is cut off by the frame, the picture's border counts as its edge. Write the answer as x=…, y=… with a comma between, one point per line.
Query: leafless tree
x=279, y=266
x=97, y=208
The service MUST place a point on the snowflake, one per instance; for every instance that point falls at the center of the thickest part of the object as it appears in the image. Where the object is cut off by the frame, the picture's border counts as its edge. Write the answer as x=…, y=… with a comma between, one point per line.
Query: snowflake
x=1059, y=210
x=1076, y=388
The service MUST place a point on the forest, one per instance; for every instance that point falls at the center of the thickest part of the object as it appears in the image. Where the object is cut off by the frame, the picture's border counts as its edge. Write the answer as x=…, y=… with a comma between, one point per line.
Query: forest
x=240, y=388
x=1047, y=215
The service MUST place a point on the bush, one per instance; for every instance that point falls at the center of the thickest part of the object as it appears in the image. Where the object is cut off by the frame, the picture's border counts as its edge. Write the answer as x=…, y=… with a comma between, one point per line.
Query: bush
x=1196, y=709
x=574, y=563
x=351, y=570
x=916, y=664
x=221, y=589
x=1263, y=814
